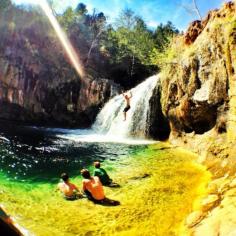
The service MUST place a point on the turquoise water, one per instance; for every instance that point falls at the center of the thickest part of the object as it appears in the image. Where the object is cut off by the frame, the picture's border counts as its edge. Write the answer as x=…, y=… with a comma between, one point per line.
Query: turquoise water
x=157, y=186
x=38, y=155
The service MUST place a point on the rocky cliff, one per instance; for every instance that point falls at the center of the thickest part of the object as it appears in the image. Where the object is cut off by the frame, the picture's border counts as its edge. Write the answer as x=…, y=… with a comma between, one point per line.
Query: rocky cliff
x=37, y=82
x=198, y=97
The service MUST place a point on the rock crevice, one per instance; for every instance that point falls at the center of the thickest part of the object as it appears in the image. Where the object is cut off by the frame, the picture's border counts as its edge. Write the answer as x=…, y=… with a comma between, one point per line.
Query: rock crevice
x=198, y=98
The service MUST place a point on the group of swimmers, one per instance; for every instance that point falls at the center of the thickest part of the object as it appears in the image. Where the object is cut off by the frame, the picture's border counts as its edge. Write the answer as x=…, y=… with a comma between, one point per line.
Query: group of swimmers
x=92, y=186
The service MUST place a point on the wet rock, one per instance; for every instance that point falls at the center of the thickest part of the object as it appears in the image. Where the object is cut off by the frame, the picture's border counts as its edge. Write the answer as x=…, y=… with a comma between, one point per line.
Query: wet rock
x=208, y=229
x=221, y=184
x=199, y=91
x=195, y=91
x=209, y=202
x=193, y=31
x=144, y=176
x=233, y=183
x=212, y=188
x=194, y=218
x=159, y=127
x=39, y=85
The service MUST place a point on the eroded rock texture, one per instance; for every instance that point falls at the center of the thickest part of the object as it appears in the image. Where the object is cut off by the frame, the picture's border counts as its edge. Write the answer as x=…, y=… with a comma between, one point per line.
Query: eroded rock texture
x=195, y=90
x=199, y=99
x=38, y=84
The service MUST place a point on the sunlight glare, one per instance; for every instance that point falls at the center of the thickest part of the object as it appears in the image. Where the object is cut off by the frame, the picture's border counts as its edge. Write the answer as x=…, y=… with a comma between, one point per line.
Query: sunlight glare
x=62, y=37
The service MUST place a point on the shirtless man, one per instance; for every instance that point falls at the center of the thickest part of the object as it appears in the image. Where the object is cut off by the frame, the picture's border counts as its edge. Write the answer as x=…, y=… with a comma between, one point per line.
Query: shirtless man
x=69, y=190
x=92, y=187
x=127, y=100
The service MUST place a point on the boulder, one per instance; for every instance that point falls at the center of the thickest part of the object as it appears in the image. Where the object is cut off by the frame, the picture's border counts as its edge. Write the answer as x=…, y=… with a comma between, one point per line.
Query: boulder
x=210, y=202
x=194, y=218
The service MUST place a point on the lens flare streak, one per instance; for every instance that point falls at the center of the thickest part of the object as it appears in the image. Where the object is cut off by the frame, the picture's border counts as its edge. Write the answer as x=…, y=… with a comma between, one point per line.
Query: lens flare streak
x=63, y=38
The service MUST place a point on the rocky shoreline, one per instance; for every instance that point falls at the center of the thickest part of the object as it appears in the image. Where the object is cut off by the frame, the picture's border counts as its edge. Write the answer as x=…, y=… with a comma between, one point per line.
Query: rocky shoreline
x=199, y=99
x=215, y=213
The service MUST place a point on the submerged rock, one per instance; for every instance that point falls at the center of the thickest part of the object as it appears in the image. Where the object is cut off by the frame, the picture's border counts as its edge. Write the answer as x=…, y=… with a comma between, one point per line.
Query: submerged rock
x=194, y=218
x=210, y=201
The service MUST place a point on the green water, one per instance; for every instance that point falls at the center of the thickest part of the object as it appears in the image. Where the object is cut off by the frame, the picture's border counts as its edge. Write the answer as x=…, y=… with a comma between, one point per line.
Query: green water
x=158, y=186
x=38, y=155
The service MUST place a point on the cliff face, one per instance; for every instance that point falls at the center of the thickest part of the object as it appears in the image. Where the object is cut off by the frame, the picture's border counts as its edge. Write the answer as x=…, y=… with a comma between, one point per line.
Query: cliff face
x=196, y=88
x=38, y=84
x=198, y=85
x=198, y=98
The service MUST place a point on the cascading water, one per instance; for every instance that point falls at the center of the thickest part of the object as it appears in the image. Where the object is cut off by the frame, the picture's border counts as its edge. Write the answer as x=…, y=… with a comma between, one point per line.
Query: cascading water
x=110, y=125
x=110, y=119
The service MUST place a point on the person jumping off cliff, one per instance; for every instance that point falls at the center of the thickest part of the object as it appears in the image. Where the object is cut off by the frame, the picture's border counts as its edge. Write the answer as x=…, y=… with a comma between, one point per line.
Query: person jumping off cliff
x=127, y=100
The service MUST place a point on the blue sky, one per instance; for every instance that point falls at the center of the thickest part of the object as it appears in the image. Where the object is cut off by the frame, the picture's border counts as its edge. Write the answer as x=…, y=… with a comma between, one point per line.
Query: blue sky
x=153, y=12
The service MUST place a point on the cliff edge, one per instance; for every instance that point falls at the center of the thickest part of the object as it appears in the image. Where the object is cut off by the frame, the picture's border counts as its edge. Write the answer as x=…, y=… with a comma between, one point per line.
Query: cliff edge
x=199, y=99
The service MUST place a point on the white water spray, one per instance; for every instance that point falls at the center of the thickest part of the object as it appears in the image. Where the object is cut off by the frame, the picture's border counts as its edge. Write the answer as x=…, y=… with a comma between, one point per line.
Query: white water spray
x=110, y=120
x=109, y=125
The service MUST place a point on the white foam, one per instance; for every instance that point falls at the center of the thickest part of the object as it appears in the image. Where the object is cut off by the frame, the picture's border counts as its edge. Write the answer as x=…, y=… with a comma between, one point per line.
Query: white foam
x=97, y=138
x=110, y=119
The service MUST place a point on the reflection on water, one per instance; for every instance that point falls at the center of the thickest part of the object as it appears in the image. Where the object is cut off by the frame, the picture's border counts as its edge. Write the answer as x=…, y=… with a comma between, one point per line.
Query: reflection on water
x=33, y=154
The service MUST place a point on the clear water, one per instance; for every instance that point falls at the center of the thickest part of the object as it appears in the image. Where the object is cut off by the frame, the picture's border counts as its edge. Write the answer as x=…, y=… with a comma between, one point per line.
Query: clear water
x=151, y=205
x=40, y=155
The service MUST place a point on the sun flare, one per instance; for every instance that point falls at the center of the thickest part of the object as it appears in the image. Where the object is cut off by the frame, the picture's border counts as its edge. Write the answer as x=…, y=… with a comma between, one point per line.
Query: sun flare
x=72, y=54
x=74, y=58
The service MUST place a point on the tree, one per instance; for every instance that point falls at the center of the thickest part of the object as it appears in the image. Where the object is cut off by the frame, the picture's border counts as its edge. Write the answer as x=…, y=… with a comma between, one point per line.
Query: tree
x=192, y=8
x=131, y=41
x=67, y=18
x=81, y=9
x=97, y=25
x=163, y=34
x=126, y=19
x=4, y=5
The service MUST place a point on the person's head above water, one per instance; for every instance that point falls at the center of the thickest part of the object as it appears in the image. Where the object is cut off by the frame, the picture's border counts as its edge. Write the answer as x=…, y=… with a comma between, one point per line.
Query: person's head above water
x=85, y=173
x=65, y=177
x=97, y=164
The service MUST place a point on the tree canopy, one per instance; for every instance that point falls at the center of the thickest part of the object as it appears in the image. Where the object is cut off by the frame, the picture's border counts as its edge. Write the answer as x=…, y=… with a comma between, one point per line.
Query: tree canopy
x=127, y=50
x=4, y=4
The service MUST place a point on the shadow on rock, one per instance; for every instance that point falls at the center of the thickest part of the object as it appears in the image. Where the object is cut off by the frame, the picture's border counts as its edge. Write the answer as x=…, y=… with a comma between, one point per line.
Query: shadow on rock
x=113, y=185
x=108, y=202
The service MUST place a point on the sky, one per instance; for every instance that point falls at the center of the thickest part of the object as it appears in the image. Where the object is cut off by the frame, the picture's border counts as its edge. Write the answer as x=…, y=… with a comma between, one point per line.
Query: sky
x=153, y=12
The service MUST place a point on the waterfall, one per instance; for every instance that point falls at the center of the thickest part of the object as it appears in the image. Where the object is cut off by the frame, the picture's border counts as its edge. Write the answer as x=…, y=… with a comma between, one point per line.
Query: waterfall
x=110, y=119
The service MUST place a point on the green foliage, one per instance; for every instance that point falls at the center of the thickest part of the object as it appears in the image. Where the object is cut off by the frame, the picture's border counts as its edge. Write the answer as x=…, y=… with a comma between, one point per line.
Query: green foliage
x=67, y=19
x=129, y=43
x=164, y=52
x=81, y=9
x=128, y=46
x=131, y=39
x=151, y=205
x=163, y=35
x=4, y=5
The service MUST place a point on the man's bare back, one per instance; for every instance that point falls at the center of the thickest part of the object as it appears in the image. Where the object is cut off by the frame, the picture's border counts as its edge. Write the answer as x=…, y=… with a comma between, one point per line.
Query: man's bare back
x=127, y=100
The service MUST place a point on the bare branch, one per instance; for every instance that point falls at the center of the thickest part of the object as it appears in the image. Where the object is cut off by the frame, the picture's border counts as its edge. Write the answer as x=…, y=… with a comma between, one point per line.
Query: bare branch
x=192, y=9
x=197, y=9
x=188, y=8
x=93, y=44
